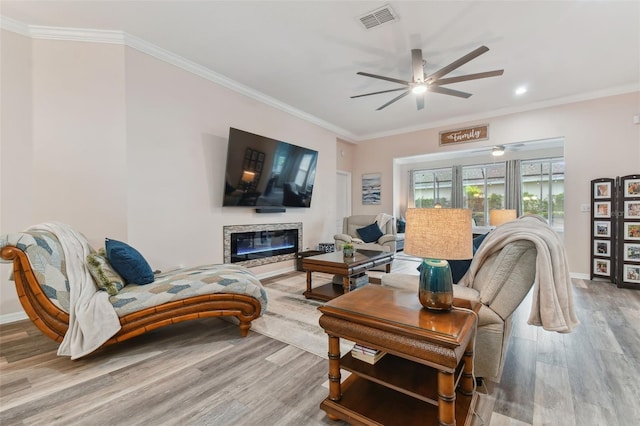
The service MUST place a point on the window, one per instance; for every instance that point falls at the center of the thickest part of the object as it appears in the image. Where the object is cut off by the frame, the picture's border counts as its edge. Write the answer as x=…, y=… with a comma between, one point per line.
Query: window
x=431, y=187
x=483, y=190
x=543, y=189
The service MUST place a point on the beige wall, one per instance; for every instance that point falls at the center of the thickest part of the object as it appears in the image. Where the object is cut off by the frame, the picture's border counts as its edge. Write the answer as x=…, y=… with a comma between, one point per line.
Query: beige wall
x=129, y=147
x=600, y=140
x=345, y=152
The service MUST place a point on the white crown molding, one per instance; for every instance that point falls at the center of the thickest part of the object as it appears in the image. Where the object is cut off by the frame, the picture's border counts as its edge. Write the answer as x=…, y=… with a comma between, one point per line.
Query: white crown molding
x=77, y=34
x=621, y=90
x=120, y=37
x=14, y=26
x=199, y=70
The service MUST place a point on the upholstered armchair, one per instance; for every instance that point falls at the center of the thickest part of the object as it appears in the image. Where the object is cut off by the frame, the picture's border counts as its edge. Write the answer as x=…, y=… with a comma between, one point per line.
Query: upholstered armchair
x=501, y=283
x=385, y=241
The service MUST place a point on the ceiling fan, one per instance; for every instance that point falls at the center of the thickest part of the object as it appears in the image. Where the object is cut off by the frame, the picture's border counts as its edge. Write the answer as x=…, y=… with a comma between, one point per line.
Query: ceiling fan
x=421, y=82
x=499, y=150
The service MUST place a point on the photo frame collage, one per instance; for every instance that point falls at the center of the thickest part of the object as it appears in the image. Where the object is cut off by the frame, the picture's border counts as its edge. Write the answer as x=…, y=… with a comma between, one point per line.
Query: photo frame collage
x=615, y=230
x=603, y=222
x=630, y=230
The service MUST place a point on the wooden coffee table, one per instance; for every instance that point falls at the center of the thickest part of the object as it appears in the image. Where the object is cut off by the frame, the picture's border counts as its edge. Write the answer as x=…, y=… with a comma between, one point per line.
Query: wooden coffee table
x=346, y=267
x=426, y=377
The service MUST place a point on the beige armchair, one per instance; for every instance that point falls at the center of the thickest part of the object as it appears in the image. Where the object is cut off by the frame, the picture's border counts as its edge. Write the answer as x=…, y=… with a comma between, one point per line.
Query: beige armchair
x=350, y=226
x=501, y=283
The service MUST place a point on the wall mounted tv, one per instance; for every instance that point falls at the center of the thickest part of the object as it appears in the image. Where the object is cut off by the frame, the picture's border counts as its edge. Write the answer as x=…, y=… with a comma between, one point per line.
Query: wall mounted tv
x=264, y=172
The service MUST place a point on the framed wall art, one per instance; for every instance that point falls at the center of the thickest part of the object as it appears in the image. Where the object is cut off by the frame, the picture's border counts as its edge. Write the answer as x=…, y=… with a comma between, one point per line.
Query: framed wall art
x=602, y=248
x=601, y=267
x=632, y=209
x=632, y=231
x=371, y=185
x=602, y=228
x=602, y=190
x=631, y=188
x=631, y=273
x=602, y=209
x=631, y=252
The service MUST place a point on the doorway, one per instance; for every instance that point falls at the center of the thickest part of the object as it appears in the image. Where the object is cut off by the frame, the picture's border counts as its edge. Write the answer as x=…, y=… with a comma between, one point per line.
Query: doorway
x=343, y=198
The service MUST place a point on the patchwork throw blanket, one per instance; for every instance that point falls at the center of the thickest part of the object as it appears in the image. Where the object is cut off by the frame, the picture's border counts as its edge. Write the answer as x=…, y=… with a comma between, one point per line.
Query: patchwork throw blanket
x=552, y=306
x=92, y=319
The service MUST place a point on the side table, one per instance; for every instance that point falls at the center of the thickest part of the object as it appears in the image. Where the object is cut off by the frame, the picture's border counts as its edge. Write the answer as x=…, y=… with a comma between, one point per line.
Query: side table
x=425, y=378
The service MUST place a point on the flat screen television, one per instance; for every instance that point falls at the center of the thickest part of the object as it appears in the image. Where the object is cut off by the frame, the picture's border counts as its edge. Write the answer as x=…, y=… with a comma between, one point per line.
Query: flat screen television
x=265, y=172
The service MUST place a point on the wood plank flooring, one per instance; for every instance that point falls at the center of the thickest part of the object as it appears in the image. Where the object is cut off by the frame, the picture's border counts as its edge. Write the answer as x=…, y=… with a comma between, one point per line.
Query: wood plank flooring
x=203, y=373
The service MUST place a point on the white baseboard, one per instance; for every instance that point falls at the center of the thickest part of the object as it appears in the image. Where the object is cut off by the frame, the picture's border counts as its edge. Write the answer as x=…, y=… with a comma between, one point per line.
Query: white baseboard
x=579, y=276
x=16, y=316
x=276, y=272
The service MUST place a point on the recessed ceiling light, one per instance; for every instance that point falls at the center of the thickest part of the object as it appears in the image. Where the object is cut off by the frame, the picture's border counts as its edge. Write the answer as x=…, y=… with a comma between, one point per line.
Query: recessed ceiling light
x=521, y=90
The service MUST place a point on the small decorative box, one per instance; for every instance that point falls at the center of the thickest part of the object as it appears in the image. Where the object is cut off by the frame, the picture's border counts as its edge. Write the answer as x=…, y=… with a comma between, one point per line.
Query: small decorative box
x=327, y=247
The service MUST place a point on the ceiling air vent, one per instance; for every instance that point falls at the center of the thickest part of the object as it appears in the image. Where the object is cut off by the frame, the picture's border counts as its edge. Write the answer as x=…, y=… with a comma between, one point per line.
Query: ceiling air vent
x=378, y=17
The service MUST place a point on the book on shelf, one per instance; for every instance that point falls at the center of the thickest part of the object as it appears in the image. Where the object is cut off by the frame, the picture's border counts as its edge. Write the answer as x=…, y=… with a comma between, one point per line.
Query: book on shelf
x=366, y=354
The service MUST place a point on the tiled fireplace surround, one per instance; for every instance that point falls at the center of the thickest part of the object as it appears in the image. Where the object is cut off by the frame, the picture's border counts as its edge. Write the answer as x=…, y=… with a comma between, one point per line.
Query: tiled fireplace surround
x=262, y=242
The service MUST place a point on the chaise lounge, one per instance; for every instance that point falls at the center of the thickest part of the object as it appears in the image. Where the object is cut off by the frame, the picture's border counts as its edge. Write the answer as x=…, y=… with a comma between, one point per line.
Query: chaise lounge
x=44, y=275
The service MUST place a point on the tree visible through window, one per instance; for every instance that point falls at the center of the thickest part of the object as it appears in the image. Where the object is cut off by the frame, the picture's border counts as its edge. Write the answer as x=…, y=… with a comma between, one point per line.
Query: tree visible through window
x=483, y=187
x=431, y=187
x=543, y=189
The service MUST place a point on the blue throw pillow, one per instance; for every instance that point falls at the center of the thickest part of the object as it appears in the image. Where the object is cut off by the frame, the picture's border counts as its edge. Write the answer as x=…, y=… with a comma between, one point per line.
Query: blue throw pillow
x=370, y=233
x=401, y=224
x=460, y=267
x=128, y=262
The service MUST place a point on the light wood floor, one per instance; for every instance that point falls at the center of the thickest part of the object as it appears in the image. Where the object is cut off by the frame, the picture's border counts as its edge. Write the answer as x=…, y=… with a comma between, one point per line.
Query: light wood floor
x=203, y=373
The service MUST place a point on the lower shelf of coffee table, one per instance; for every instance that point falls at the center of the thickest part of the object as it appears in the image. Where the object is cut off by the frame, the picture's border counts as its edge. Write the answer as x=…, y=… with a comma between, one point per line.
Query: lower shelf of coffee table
x=326, y=292
x=365, y=402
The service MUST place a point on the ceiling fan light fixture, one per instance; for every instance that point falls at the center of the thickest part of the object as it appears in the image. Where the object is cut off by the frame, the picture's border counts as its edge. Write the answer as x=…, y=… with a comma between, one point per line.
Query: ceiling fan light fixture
x=419, y=88
x=497, y=151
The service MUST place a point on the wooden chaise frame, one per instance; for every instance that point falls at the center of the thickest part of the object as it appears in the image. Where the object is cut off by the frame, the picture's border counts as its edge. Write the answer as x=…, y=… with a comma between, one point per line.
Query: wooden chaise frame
x=54, y=322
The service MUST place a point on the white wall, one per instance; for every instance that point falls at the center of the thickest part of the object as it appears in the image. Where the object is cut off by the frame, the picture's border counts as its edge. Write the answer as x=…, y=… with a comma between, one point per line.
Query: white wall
x=177, y=130
x=129, y=147
x=600, y=140
x=16, y=157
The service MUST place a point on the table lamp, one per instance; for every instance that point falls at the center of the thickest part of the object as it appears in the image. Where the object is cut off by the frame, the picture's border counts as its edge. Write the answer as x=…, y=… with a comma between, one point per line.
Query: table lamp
x=436, y=235
x=500, y=216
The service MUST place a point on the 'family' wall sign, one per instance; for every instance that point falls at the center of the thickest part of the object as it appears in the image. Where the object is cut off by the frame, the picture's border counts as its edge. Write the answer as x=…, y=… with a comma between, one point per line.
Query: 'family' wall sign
x=469, y=134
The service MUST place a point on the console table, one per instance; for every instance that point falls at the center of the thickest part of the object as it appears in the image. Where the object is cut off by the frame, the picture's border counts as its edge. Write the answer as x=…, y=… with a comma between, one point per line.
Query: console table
x=426, y=376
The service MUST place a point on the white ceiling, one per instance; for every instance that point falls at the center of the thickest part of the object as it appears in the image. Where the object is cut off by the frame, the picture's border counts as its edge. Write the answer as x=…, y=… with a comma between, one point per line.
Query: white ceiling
x=305, y=54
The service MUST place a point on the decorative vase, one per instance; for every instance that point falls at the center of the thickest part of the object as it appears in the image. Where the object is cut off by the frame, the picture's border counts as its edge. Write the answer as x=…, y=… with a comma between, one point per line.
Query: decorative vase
x=348, y=252
x=436, y=285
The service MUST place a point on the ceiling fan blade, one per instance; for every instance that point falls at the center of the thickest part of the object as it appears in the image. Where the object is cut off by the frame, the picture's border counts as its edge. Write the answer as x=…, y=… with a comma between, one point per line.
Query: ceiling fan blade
x=416, y=63
x=393, y=80
x=393, y=100
x=445, y=91
x=458, y=63
x=420, y=101
x=467, y=77
x=377, y=93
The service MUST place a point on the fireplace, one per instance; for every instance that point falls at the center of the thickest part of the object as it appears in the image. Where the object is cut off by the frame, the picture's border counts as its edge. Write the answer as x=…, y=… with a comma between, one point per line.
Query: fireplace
x=252, y=245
